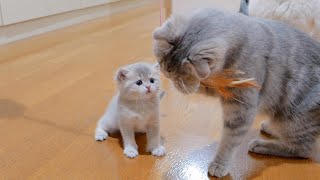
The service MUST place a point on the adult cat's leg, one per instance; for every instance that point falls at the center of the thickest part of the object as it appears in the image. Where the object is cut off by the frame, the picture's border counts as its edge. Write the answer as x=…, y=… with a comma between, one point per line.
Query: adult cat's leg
x=129, y=142
x=297, y=139
x=153, y=136
x=238, y=118
x=266, y=127
x=278, y=148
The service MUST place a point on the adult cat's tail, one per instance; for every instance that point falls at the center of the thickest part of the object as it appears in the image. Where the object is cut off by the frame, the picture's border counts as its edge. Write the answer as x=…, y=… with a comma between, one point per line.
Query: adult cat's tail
x=244, y=7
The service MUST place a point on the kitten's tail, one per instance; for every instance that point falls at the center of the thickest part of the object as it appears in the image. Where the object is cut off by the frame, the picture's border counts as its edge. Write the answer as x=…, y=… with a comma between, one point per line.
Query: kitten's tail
x=162, y=94
x=244, y=7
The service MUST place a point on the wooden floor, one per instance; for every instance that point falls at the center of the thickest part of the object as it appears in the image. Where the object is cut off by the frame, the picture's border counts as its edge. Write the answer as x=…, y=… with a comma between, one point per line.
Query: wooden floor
x=54, y=87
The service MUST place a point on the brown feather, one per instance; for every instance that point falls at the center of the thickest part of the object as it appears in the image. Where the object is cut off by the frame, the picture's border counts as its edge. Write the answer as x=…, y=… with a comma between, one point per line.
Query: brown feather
x=223, y=81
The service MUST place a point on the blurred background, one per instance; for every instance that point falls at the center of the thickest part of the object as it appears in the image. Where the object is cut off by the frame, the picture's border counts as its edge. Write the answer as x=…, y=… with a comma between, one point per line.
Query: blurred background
x=22, y=19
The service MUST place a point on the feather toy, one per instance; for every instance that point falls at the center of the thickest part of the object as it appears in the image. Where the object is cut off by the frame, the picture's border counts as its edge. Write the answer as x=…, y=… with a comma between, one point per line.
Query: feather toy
x=224, y=81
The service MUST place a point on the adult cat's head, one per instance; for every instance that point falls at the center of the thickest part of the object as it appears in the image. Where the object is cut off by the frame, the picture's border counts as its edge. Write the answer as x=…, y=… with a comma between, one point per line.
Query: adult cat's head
x=187, y=50
x=138, y=81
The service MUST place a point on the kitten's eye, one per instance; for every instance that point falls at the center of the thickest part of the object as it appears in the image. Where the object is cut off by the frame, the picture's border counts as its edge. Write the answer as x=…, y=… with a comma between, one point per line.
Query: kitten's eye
x=139, y=82
x=152, y=80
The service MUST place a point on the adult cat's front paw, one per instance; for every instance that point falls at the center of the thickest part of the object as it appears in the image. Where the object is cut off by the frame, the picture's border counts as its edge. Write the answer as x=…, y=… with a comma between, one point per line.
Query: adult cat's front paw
x=159, y=151
x=131, y=152
x=257, y=146
x=218, y=170
x=265, y=128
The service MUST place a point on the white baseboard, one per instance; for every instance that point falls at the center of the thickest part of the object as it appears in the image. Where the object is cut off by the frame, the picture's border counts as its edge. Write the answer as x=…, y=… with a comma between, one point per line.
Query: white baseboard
x=27, y=29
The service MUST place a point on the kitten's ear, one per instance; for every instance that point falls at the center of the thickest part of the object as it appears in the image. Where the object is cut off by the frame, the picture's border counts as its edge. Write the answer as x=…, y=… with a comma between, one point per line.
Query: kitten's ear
x=156, y=67
x=200, y=67
x=122, y=74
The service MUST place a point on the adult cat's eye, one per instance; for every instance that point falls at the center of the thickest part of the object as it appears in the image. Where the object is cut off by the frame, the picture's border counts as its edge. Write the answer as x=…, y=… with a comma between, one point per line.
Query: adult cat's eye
x=171, y=43
x=139, y=82
x=152, y=80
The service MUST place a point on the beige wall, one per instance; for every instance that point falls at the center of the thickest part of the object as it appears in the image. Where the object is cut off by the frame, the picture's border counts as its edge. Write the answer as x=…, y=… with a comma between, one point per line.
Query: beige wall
x=14, y=11
x=180, y=6
x=0, y=15
x=25, y=29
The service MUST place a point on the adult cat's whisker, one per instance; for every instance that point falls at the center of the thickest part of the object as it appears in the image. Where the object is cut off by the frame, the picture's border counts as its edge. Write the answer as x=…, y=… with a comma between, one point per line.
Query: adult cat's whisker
x=184, y=86
x=237, y=100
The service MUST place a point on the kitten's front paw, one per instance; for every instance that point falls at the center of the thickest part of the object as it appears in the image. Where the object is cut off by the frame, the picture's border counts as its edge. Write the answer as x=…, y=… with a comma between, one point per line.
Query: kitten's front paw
x=131, y=152
x=101, y=135
x=159, y=151
x=218, y=170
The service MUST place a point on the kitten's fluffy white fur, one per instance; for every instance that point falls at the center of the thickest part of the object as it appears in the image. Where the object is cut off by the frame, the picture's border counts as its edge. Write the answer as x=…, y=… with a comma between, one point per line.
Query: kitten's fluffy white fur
x=303, y=14
x=135, y=108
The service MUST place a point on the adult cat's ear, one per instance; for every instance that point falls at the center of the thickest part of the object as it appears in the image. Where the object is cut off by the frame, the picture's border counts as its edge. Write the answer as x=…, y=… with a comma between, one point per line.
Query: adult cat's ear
x=171, y=29
x=165, y=36
x=122, y=74
x=200, y=67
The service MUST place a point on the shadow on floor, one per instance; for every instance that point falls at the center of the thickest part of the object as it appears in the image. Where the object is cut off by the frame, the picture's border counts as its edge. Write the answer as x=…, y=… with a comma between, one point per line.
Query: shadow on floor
x=11, y=109
x=141, y=140
x=79, y=131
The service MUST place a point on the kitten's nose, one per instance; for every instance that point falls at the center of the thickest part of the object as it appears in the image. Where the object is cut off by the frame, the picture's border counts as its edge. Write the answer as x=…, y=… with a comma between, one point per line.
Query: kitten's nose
x=148, y=87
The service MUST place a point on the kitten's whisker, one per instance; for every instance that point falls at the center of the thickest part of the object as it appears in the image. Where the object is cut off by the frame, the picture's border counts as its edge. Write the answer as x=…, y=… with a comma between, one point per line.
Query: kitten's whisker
x=141, y=103
x=137, y=102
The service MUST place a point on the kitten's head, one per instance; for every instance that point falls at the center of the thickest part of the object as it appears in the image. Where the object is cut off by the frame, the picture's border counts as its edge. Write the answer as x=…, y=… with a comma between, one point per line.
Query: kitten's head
x=186, y=52
x=138, y=81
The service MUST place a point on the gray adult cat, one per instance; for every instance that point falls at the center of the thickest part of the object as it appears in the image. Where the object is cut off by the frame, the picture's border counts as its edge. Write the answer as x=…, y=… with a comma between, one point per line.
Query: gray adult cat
x=284, y=61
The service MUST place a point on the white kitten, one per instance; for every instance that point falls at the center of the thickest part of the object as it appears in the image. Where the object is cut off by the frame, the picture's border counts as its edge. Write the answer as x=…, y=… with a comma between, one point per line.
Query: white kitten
x=135, y=108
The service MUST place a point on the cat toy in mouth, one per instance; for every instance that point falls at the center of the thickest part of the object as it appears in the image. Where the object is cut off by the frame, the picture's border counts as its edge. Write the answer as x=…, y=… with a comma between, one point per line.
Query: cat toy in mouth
x=223, y=81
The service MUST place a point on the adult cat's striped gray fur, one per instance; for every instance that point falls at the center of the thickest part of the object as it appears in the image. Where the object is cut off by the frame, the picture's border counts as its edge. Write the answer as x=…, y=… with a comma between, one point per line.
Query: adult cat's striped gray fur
x=283, y=60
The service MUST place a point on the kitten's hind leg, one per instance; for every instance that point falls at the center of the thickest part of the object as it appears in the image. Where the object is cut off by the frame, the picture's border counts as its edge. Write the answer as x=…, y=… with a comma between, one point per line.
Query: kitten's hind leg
x=277, y=148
